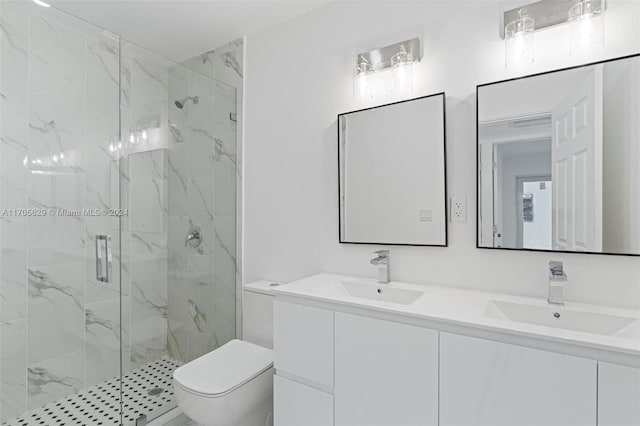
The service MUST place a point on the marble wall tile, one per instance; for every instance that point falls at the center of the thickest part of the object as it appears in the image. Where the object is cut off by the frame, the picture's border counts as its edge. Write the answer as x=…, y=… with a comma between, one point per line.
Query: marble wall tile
x=56, y=240
x=13, y=369
x=228, y=69
x=149, y=290
x=201, y=143
x=201, y=212
x=202, y=64
x=148, y=205
x=102, y=326
x=54, y=379
x=178, y=180
x=13, y=269
x=13, y=103
x=177, y=340
x=55, y=311
x=177, y=250
x=57, y=95
x=148, y=340
x=148, y=164
x=228, y=63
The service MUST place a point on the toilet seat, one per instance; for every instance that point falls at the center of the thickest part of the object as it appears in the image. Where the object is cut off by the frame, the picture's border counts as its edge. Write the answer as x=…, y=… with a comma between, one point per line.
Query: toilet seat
x=221, y=371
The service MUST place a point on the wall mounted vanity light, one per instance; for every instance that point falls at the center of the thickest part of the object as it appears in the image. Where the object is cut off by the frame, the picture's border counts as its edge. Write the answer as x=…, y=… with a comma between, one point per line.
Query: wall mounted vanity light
x=584, y=16
x=398, y=58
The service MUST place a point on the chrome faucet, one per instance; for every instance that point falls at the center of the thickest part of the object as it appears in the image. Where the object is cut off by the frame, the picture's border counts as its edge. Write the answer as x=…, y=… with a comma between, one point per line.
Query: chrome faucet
x=382, y=262
x=557, y=280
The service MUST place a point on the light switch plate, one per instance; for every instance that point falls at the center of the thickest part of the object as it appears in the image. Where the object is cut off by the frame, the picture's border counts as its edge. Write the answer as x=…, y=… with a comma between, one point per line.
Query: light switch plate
x=458, y=209
x=425, y=215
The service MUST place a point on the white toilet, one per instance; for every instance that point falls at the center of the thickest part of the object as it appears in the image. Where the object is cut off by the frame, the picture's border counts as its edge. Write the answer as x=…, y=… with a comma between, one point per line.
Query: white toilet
x=233, y=385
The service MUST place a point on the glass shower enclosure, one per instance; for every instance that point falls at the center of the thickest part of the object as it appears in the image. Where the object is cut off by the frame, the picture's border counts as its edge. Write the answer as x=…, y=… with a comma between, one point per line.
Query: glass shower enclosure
x=117, y=221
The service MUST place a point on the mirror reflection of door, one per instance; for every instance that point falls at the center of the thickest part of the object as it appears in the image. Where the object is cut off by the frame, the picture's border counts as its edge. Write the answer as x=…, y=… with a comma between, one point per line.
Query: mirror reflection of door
x=577, y=166
x=534, y=197
x=577, y=129
x=518, y=162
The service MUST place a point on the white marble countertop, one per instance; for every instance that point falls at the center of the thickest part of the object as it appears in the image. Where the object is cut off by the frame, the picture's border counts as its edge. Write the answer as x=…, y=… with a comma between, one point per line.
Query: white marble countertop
x=473, y=309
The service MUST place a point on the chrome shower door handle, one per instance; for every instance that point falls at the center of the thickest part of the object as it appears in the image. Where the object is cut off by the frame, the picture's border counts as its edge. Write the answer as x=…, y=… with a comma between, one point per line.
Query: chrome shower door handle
x=104, y=258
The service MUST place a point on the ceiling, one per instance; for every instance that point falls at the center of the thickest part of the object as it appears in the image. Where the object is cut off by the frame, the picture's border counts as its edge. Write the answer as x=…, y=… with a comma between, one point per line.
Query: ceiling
x=181, y=29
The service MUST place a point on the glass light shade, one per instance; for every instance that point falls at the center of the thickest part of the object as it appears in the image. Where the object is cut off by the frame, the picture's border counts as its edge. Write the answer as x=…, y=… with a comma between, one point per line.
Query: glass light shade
x=518, y=38
x=587, y=27
x=402, y=78
x=362, y=87
x=402, y=71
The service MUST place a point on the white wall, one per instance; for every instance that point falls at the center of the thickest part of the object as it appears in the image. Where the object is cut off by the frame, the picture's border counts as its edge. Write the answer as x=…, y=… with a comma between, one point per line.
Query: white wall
x=299, y=76
x=621, y=229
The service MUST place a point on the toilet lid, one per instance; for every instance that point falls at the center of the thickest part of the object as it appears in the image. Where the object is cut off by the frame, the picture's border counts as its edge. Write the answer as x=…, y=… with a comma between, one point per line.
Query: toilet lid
x=225, y=368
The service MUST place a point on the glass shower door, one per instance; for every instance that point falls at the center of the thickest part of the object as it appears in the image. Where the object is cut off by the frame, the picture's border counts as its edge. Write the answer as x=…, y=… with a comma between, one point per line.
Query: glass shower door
x=59, y=191
x=178, y=242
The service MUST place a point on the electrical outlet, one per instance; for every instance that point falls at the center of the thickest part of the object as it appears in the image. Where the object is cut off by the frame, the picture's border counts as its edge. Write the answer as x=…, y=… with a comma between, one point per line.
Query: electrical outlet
x=458, y=210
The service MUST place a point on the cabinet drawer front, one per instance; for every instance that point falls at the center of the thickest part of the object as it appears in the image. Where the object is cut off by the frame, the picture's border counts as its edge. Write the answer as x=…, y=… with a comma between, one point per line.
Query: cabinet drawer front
x=618, y=395
x=297, y=405
x=386, y=373
x=489, y=383
x=303, y=342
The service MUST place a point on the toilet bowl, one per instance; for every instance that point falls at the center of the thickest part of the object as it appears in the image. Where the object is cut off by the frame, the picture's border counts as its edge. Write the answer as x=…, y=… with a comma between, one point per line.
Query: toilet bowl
x=230, y=386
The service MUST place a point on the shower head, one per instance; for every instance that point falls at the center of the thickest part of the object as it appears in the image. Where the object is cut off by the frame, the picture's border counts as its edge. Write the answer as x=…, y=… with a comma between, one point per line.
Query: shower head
x=180, y=103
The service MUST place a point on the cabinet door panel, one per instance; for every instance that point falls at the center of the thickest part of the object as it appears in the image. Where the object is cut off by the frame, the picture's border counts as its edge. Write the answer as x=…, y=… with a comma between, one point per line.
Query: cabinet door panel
x=299, y=405
x=495, y=384
x=303, y=342
x=618, y=395
x=386, y=373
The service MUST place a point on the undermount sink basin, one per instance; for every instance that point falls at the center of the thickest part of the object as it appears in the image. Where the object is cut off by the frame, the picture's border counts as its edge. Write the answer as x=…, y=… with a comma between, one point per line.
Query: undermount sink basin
x=382, y=292
x=558, y=317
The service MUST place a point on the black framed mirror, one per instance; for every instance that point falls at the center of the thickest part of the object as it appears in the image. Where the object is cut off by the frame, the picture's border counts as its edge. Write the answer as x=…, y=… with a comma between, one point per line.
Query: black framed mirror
x=392, y=173
x=558, y=160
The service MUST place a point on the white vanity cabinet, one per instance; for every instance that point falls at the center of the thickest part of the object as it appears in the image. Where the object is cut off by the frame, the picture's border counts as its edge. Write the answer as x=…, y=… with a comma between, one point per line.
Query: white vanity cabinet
x=303, y=359
x=295, y=404
x=483, y=382
x=303, y=343
x=618, y=395
x=386, y=373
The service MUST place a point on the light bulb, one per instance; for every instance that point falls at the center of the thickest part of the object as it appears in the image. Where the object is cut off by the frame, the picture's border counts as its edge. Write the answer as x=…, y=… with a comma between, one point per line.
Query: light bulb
x=362, y=88
x=402, y=71
x=587, y=29
x=518, y=37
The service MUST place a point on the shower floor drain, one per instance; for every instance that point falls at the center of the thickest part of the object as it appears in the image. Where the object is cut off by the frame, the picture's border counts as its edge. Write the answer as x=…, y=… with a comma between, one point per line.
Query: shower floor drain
x=155, y=391
x=146, y=391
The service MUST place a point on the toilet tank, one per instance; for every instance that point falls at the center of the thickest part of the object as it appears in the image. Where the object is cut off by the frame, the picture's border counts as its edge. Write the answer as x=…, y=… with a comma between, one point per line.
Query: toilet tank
x=257, y=313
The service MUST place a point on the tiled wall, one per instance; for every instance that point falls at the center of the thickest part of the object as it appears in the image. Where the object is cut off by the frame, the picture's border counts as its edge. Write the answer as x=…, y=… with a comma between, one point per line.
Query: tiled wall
x=226, y=65
x=202, y=192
